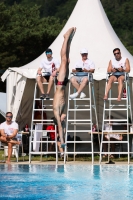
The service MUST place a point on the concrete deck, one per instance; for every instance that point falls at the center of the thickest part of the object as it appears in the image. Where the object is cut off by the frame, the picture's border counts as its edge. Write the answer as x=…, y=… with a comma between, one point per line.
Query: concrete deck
x=67, y=163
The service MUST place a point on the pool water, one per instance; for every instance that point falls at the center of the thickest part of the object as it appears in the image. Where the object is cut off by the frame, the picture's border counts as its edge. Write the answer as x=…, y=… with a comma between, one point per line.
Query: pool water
x=66, y=182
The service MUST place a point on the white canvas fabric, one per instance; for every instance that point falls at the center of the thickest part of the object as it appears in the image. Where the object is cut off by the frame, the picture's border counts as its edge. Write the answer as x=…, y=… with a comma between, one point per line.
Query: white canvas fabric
x=3, y=104
x=37, y=137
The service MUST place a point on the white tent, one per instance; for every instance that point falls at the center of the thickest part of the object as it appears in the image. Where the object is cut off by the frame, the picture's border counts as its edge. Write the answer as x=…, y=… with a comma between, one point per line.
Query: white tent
x=93, y=32
x=3, y=104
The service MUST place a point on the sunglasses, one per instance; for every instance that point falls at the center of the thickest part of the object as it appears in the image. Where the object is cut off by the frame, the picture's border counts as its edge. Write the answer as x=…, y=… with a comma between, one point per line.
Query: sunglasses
x=48, y=53
x=9, y=116
x=116, y=53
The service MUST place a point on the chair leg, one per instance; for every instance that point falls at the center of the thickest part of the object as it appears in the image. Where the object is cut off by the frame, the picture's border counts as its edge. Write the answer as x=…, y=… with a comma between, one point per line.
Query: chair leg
x=17, y=152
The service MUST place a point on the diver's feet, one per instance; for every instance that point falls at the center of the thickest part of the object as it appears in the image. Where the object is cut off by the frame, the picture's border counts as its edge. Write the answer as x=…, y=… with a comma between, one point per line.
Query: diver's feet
x=70, y=33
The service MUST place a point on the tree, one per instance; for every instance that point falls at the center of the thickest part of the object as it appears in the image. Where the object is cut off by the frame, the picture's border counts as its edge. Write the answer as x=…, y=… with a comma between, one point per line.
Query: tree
x=120, y=15
x=24, y=35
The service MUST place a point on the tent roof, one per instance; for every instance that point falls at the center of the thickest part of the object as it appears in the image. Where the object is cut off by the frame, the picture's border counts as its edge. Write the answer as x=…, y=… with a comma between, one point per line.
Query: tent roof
x=94, y=32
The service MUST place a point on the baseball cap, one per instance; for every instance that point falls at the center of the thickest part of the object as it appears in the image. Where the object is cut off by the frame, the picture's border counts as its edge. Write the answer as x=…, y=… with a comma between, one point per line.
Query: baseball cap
x=48, y=51
x=84, y=50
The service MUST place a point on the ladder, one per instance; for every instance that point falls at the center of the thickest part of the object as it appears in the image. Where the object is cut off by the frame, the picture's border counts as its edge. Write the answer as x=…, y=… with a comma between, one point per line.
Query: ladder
x=79, y=120
x=113, y=107
x=47, y=106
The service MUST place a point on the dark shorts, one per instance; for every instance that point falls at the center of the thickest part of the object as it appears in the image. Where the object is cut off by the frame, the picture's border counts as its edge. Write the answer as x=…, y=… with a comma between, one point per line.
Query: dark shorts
x=118, y=74
x=15, y=139
x=47, y=78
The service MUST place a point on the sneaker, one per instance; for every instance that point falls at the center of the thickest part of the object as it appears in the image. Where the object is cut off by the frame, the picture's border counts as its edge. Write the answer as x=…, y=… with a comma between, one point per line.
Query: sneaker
x=82, y=95
x=62, y=155
x=47, y=96
x=42, y=96
x=74, y=95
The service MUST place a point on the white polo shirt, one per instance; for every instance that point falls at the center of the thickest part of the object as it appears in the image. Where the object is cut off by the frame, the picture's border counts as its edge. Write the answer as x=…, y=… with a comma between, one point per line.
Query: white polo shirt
x=46, y=65
x=87, y=64
x=9, y=128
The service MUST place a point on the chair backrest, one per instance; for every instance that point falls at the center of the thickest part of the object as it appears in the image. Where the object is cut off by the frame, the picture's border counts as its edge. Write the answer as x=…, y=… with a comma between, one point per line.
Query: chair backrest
x=19, y=136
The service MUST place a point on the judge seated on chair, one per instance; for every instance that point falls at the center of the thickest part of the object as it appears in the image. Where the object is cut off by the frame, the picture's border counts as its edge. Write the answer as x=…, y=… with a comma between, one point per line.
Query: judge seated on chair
x=9, y=130
x=117, y=67
x=79, y=82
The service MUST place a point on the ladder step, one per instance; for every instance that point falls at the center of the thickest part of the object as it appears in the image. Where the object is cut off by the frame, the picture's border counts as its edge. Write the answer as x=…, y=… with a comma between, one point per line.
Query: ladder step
x=83, y=105
x=115, y=131
x=44, y=141
x=79, y=131
x=121, y=123
x=120, y=105
x=118, y=152
x=81, y=123
x=37, y=99
x=117, y=98
x=78, y=141
x=115, y=109
x=75, y=153
x=114, y=120
x=76, y=109
x=79, y=99
x=43, y=131
x=44, y=109
x=114, y=142
x=42, y=152
x=41, y=120
x=79, y=120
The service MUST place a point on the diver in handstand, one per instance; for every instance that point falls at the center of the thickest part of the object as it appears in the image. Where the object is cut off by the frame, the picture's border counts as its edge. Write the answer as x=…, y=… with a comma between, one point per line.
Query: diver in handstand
x=61, y=82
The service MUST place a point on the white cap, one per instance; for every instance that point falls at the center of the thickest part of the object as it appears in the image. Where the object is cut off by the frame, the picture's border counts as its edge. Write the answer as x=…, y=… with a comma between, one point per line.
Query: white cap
x=84, y=50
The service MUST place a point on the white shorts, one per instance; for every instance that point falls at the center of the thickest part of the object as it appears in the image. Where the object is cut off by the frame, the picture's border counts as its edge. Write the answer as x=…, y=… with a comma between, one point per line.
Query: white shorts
x=79, y=79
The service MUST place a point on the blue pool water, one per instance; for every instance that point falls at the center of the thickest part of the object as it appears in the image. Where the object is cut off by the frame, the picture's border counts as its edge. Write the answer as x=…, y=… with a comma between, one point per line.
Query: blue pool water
x=66, y=182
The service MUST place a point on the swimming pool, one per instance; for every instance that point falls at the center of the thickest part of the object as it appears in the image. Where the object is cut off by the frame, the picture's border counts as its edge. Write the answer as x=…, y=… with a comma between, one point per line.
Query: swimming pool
x=76, y=182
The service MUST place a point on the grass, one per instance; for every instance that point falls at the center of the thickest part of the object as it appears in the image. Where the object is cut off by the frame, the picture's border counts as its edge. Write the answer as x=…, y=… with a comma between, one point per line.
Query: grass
x=46, y=158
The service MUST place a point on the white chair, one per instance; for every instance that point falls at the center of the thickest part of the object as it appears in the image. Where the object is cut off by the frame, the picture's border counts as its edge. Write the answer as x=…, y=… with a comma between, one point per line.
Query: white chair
x=15, y=147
